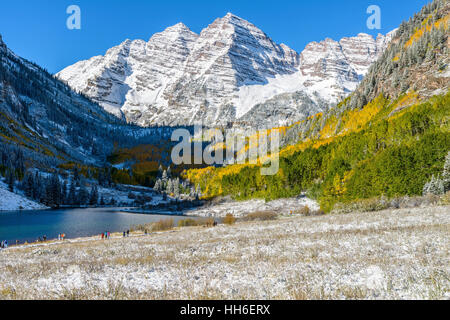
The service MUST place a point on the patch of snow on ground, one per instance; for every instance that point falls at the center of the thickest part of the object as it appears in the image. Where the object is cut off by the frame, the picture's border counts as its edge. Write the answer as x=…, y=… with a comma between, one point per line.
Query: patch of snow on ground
x=242, y=208
x=10, y=201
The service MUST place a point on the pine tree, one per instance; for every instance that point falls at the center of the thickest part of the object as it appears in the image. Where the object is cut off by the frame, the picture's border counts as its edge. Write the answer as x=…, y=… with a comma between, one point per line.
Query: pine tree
x=76, y=176
x=440, y=189
x=83, y=196
x=446, y=174
x=64, y=193
x=435, y=186
x=53, y=191
x=169, y=188
x=176, y=187
x=72, y=196
x=37, y=187
x=28, y=184
x=192, y=193
x=158, y=185
x=198, y=191
x=93, y=198
x=426, y=188
x=10, y=180
x=100, y=178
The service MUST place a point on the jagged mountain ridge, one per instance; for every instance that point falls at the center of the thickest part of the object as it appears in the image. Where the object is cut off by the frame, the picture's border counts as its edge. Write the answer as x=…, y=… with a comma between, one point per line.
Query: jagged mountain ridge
x=228, y=72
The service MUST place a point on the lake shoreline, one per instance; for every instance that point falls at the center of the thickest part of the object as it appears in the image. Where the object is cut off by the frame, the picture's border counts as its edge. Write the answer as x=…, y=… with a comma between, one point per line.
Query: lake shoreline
x=29, y=226
x=161, y=213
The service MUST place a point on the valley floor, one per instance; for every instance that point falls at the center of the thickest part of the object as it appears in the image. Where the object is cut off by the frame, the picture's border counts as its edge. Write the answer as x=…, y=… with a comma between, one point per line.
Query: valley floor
x=393, y=254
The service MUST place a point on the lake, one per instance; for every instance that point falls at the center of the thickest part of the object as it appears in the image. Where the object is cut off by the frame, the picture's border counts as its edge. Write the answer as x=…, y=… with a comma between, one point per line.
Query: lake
x=30, y=225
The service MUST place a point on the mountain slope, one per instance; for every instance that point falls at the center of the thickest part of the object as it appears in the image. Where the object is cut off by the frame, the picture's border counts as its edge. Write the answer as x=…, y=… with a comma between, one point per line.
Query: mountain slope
x=52, y=137
x=230, y=69
x=50, y=123
x=388, y=138
x=417, y=59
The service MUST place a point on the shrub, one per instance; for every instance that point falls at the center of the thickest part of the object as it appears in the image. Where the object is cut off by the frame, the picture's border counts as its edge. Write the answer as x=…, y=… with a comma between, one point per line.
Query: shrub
x=260, y=216
x=229, y=219
x=318, y=213
x=378, y=204
x=187, y=223
x=208, y=222
x=141, y=227
x=445, y=199
x=366, y=205
x=305, y=211
x=162, y=225
x=414, y=202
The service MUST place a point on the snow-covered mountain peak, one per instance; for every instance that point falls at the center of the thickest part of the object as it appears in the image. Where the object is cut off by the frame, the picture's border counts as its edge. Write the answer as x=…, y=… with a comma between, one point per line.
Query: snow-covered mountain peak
x=121, y=49
x=176, y=32
x=234, y=19
x=180, y=26
x=230, y=15
x=364, y=35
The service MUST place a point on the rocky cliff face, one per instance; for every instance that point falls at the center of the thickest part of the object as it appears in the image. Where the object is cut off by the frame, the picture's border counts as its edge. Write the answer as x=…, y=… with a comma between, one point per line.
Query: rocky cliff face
x=334, y=69
x=231, y=72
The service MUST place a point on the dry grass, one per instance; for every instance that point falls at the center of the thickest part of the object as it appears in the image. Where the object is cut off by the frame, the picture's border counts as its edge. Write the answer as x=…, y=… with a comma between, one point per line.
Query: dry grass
x=207, y=222
x=161, y=225
x=260, y=216
x=307, y=212
x=392, y=254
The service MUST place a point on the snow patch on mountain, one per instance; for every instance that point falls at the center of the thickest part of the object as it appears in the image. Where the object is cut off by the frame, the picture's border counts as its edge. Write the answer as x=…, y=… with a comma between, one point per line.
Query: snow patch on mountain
x=251, y=95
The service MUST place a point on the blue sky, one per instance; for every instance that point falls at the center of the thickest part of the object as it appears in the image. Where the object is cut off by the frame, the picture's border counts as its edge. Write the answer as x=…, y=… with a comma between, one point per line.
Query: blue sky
x=36, y=30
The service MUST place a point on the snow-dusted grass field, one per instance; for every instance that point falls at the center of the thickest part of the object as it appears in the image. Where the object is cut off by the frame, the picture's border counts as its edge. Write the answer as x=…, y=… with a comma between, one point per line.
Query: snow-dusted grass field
x=393, y=254
x=242, y=208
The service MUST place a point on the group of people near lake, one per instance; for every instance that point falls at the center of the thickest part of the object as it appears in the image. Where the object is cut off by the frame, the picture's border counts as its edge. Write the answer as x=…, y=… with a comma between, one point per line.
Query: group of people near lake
x=42, y=239
x=61, y=237
x=106, y=235
x=4, y=244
